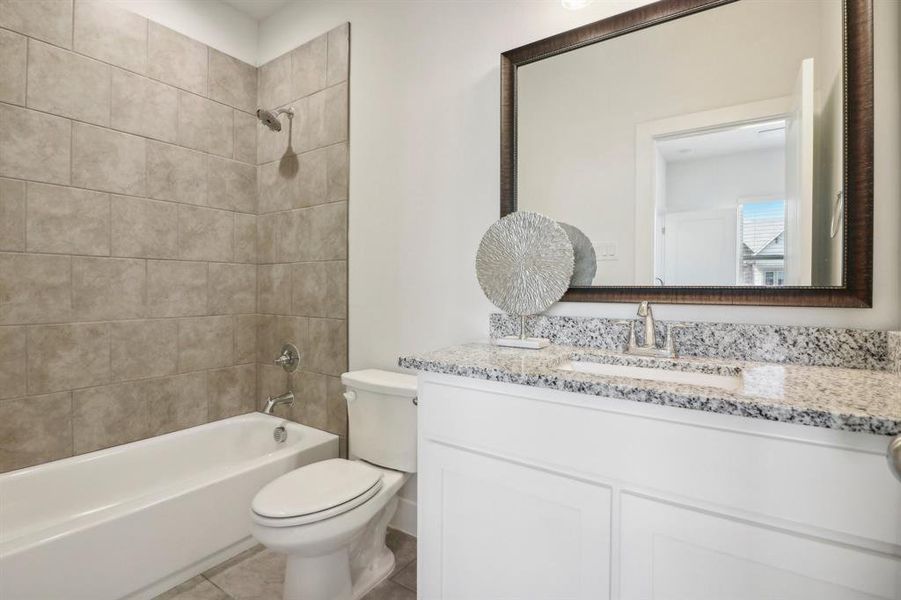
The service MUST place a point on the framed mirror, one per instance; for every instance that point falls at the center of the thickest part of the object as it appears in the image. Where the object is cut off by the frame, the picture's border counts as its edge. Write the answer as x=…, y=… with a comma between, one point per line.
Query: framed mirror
x=702, y=151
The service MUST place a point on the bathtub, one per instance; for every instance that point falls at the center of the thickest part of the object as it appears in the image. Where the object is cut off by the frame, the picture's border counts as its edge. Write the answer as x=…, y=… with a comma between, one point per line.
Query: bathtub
x=134, y=520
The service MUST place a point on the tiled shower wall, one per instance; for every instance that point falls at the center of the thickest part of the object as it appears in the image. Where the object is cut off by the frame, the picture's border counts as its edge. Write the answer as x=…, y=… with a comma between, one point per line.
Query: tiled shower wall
x=302, y=228
x=128, y=226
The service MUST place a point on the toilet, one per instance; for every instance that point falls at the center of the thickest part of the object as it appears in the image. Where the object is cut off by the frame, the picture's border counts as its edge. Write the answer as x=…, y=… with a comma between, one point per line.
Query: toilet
x=330, y=517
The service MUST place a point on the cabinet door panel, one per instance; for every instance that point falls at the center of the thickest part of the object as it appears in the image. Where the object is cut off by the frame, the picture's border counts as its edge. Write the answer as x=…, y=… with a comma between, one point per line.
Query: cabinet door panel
x=675, y=553
x=490, y=528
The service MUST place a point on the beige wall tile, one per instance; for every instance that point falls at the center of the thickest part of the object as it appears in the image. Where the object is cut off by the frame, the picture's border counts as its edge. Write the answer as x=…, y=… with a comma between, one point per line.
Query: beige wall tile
x=308, y=67
x=328, y=232
x=245, y=339
x=206, y=234
x=176, y=174
x=12, y=215
x=338, y=53
x=275, y=82
x=68, y=84
x=233, y=82
x=140, y=349
x=337, y=407
x=311, y=392
x=12, y=362
x=108, y=160
x=278, y=186
x=245, y=237
x=231, y=184
x=231, y=391
x=338, y=173
x=273, y=332
x=312, y=178
x=176, y=288
x=182, y=403
x=111, y=415
x=334, y=124
x=205, y=343
x=67, y=220
x=35, y=430
x=327, y=346
x=143, y=228
x=111, y=34
x=232, y=289
x=245, y=137
x=205, y=125
x=275, y=289
x=48, y=20
x=34, y=145
x=319, y=289
x=176, y=59
x=294, y=235
x=272, y=381
x=64, y=357
x=35, y=288
x=310, y=112
x=143, y=106
x=13, y=52
x=267, y=237
x=108, y=288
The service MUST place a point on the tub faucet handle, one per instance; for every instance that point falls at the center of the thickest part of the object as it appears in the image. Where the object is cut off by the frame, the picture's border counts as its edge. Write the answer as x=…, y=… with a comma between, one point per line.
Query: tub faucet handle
x=289, y=359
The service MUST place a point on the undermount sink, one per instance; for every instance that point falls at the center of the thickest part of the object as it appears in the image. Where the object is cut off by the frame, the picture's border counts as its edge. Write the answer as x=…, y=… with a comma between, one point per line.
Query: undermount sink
x=729, y=381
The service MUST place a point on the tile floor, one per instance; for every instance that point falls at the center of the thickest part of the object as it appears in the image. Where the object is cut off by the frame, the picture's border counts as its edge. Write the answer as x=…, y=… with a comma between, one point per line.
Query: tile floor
x=257, y=574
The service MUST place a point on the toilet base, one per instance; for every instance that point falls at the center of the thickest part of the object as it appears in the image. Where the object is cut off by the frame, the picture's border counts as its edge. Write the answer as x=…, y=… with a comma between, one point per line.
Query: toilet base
x=348, y=573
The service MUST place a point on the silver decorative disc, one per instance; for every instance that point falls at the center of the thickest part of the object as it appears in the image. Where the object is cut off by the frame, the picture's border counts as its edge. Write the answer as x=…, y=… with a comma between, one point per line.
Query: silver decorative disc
x=524, y=263
x=586, y=265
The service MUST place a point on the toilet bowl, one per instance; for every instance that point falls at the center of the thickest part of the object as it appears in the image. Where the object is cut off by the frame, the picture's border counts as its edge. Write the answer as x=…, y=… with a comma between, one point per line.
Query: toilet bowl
x=330, y=517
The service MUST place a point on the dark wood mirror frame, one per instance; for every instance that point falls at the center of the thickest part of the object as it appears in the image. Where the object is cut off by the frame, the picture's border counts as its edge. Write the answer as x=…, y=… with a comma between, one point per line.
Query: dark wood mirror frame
x=857, y=291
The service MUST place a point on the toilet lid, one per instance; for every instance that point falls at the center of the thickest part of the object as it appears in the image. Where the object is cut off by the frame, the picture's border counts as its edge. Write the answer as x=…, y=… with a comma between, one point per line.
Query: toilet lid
x=315, y=488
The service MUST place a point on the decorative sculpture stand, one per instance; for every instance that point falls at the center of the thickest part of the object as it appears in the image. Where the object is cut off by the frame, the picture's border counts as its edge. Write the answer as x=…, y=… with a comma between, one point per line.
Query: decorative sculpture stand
x=524, y=265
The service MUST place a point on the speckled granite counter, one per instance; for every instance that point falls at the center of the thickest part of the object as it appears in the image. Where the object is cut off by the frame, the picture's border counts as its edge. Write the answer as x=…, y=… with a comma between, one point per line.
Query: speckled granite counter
x=831, y=397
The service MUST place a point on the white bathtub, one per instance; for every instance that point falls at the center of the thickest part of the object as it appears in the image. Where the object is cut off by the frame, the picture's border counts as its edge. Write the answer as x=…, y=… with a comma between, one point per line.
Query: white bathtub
x=135, y=520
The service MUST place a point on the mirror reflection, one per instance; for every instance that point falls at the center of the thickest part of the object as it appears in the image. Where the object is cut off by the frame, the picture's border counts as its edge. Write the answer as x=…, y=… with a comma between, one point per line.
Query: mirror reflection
x=705, y=151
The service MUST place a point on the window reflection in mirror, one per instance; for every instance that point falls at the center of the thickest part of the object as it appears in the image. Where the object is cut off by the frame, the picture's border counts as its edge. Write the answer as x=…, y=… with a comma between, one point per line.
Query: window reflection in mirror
x=705, y=151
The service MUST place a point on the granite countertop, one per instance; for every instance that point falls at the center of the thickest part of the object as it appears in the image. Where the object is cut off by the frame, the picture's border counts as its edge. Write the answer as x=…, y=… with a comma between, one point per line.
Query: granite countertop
x=832, y=397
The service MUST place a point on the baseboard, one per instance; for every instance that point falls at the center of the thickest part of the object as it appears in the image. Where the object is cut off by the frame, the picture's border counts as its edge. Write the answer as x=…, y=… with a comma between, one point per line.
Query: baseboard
x=405, y=517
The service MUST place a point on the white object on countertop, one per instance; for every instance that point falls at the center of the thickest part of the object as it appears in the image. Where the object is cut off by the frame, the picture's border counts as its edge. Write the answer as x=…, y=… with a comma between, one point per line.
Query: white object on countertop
x=529, y=343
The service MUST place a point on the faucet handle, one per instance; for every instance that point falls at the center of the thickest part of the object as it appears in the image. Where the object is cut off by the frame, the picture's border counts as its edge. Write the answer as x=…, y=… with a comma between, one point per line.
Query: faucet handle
x=631, y=323
x=670, y=344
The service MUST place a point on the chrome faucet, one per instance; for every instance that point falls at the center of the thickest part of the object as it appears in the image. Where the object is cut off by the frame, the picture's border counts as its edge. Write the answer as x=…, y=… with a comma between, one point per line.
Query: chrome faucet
x=271, y=403
x=649, y=347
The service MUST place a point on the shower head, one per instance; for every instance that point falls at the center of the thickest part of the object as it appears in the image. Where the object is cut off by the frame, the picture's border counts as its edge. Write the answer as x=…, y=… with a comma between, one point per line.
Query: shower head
x=269, y=118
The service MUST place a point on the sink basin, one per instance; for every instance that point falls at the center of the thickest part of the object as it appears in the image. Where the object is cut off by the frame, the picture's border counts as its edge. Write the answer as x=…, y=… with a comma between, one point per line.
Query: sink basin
x=724, y=382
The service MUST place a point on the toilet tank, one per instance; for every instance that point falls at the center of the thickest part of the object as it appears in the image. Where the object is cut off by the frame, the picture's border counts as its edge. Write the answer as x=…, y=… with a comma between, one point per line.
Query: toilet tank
x=381, y=416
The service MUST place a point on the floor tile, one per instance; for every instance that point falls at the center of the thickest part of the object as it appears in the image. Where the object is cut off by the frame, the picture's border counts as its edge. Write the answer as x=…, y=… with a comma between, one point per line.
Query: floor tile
x=195, y=589
x=261, y=576
x=404, y=548
x=388, y=590
x=406, y=576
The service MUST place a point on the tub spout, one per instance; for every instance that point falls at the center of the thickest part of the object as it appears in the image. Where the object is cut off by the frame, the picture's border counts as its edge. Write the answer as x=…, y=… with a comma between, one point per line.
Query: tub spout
x=286, y=398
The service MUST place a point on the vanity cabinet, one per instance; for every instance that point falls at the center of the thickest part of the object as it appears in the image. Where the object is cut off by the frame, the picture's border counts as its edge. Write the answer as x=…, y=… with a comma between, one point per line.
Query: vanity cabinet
x=530, y=493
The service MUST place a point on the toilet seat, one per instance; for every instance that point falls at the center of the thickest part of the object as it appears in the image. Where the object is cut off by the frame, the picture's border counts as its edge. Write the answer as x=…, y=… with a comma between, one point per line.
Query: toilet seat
x=316, y=492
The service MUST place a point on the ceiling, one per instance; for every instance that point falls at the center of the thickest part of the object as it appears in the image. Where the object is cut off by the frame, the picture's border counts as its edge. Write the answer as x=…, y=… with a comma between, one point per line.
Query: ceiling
x=257, y=9
x=741, y=138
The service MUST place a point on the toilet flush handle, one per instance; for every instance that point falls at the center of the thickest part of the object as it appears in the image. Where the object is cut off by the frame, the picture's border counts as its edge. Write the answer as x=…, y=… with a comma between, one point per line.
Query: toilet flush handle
x=350, y=396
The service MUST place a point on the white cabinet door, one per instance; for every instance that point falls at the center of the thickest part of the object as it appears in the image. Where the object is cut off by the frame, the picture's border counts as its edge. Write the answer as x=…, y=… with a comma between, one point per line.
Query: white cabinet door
x=492, y=529
x=675, y=553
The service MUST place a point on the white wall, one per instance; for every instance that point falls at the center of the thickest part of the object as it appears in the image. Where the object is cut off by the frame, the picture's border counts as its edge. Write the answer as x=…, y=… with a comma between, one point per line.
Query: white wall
x=720, y=181
x=214, y=23
x=424, y=122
